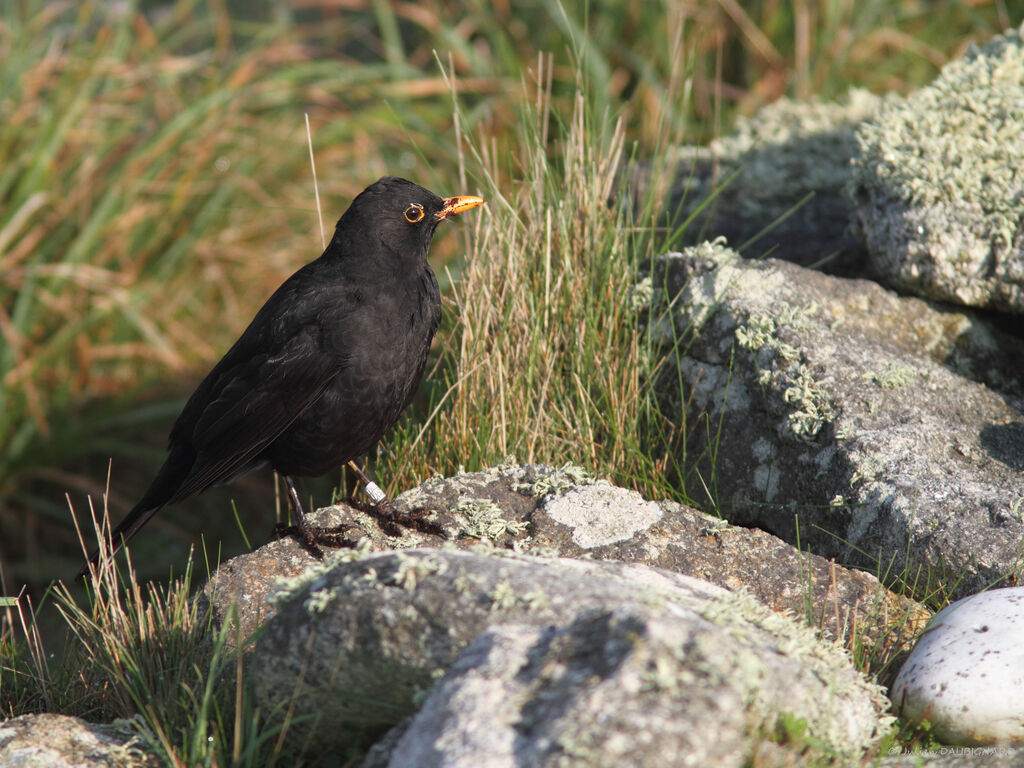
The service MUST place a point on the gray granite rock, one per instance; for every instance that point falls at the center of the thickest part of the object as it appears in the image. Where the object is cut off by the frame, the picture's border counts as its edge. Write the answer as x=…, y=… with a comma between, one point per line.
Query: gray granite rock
x=355, y=645
x=59, y=741
x=938, y=182
x=778, y=183
x=888, y=429
x=565, y=511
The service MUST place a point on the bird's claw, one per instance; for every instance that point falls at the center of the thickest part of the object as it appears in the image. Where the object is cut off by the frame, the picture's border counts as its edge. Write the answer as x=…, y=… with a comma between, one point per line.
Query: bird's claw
x=310, y=537
x=393, y=521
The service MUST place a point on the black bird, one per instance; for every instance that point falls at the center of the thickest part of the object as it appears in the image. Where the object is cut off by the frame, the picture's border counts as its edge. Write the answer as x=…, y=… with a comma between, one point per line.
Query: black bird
x=326, y=366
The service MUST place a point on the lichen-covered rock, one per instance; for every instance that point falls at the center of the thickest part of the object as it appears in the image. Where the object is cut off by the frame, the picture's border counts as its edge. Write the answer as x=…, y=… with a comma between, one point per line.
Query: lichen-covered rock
x=965, y=676
x=938, y=182
x=59, y=741
x=616, y=688
x=886, y=427
x=352, y=650
x=779, y=181
x=565, y=511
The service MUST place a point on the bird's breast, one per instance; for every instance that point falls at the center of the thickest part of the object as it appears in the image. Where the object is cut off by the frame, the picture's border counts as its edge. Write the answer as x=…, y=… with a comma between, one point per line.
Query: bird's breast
x=383, y=344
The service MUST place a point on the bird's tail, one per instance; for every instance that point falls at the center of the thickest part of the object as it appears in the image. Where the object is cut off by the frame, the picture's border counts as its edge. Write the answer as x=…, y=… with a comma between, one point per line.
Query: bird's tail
x=124, y=530
x=160, y=493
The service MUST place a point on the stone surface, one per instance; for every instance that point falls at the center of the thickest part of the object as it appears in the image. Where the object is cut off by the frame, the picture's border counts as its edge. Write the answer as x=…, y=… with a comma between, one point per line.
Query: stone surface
x=890, y=430
x=937, y=179
x=620, y=688
x=965, y=676
x=59, y=741
x=355, y=644
x=778, y=183
x=547, y=510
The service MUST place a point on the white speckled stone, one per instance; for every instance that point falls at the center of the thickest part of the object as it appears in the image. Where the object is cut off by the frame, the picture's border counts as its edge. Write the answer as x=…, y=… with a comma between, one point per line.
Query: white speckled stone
x=966, y=673
x=602, y=514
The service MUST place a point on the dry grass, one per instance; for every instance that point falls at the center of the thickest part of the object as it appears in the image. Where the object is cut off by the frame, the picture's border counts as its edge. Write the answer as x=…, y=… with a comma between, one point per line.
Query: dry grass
x=546, y=358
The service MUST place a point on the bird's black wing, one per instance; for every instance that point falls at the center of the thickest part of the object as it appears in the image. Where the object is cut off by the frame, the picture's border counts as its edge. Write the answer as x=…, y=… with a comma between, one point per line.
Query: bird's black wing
x=245, y=407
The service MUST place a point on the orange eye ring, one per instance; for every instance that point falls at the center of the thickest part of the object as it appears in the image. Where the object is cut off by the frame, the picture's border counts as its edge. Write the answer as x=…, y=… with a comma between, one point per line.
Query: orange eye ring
x=414, y=213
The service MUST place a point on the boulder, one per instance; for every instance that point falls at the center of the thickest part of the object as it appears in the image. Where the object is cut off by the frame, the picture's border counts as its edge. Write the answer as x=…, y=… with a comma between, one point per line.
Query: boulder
x=937, y=182
x=965, y=676
x=873, y=428
x=583, y=649
x=60, y=741
x=566, y=511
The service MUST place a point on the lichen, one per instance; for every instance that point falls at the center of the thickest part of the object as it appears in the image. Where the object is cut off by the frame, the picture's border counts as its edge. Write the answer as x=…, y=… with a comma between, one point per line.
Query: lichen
x=938, y=183
x=757, y=332
x=283, y=590
x=894, y=376
x=558, y=481
x=788, y=148
x=828, y=661
x=318, y=600
x=412, y=570
x=641, y=295
x=813, y=405
x=483, y=519
x=503, y=596
x=958, y=138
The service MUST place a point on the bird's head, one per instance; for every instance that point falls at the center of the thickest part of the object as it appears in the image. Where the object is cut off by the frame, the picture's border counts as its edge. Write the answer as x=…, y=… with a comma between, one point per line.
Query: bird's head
x=395, y=218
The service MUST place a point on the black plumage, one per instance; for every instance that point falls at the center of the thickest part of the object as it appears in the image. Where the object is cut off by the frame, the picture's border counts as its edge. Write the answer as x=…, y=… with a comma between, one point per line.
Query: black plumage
x=327, y=365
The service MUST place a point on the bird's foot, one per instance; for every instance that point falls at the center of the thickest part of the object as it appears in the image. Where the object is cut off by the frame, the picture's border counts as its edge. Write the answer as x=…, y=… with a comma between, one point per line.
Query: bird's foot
x=392, y=521
x=310, y=536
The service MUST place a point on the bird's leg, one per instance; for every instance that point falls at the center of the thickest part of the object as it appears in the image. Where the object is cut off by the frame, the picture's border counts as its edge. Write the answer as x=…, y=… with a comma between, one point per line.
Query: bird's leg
x=390, y=519
x=309, y=535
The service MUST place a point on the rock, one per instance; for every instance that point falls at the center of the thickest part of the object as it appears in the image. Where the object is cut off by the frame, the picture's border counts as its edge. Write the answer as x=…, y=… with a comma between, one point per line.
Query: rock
x=779, y=181
x=936, y=183
x=241, y=586
x=966, y=674
x=356, y=644
x=546, y=510
x=890, y=429
x=54, y=741
x=620, y=688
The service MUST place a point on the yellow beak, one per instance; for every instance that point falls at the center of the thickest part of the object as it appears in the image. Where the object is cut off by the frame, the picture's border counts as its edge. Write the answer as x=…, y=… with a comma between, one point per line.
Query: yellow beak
x=458, y=204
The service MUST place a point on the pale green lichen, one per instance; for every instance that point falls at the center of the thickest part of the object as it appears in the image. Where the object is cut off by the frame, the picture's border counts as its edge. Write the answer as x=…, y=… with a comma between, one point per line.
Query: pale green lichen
x=715, y=527
x=828, y=661
x=813, y=405
x=761, y=330
x=789, y=148
x=641, y=295
x=483, y=519
x=319, y=600
x=866, y=469
x=894, y=376
x=503, y=596
x=958, y=138
x=937, y=185
x=412, y=570
x=797, y=316
x=528, y=547
x=283, y=590
x=757, y=332
x=558, y=481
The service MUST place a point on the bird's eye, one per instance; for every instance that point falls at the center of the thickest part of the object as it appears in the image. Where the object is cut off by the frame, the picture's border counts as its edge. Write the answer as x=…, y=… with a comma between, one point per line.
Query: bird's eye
x=413, y=213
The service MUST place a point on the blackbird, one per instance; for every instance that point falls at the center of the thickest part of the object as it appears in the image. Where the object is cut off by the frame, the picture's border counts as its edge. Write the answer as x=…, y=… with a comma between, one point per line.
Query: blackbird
x=324, y=369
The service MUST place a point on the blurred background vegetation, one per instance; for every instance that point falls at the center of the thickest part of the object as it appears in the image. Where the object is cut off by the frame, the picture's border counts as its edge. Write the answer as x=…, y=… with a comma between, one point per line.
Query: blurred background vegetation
x=155, y=187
